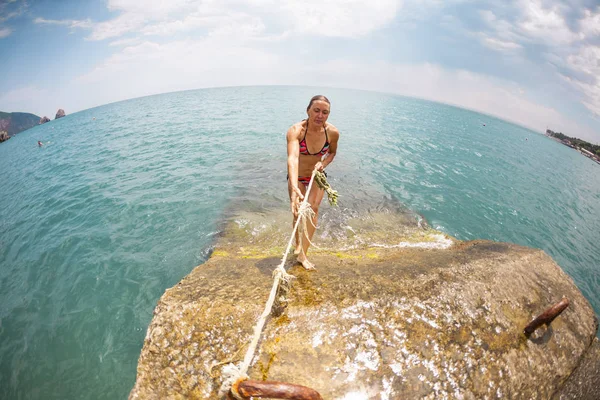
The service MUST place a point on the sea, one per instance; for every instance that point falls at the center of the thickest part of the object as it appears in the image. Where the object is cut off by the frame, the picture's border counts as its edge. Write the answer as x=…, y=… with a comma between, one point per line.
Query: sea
x=123, y=200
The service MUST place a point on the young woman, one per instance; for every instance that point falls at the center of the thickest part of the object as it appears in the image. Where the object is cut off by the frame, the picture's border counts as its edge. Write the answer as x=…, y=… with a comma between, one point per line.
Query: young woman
x=311, y=144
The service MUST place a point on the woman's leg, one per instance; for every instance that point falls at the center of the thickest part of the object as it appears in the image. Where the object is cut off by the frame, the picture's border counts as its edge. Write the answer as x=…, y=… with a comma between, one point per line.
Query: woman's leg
x=302, y=188
x=314, y=198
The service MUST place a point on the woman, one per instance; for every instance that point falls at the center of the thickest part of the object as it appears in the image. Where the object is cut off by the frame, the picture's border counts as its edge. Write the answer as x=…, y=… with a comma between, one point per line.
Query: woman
x=311, y=145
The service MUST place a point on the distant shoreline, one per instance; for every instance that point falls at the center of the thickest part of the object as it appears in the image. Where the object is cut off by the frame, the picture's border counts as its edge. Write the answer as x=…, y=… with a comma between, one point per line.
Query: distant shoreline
x=587, y=149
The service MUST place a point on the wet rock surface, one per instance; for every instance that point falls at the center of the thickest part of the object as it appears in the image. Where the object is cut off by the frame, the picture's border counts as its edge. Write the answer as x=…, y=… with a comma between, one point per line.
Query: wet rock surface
x=394, y=310
x=584, y=383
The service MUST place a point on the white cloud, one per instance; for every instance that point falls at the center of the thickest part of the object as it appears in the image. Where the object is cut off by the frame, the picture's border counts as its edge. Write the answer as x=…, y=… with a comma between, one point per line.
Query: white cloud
x=134, y=16
x=586, y=60
x=532, y=23
x=161, y=19
x=590, y=24
x=126, y=42
x=151, y=68
x=500, y=35
x=5, y=15
x=155, y=9
x=241, y=24
x=587, y=63
x=545, y=25
x=502, y=29
x=4, y=32
x=9, y=11
x=116, y=27
x=499, y=45
x=341, y=18
x=71, y=23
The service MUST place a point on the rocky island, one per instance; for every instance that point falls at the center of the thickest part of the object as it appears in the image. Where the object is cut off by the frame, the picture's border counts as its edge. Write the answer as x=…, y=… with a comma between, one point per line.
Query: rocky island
x=16, y=122
x=395, y=310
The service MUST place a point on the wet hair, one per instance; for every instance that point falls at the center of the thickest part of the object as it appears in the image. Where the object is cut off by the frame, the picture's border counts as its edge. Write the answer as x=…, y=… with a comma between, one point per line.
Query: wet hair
x=315, y=98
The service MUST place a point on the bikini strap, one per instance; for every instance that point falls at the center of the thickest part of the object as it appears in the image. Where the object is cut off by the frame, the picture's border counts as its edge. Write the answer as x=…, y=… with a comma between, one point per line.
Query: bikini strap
x=305, y=132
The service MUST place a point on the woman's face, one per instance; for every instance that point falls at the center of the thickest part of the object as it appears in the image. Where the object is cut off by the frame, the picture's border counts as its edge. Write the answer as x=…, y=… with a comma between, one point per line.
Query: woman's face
x=318, y=112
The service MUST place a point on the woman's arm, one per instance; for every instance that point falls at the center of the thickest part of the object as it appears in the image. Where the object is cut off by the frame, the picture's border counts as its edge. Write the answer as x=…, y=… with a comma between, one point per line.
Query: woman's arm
x=293, y=150
x=334, y=135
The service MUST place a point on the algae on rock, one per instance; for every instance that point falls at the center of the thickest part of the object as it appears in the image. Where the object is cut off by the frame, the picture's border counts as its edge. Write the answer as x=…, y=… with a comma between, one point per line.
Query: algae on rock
x=393, y=311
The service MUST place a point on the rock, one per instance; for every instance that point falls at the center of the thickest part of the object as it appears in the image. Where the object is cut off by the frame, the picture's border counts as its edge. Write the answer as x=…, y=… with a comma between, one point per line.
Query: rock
x=4, y=136
x=45, y=119
x=584, y=383
x=60, y=113
x=16, y=122
x=392, y=312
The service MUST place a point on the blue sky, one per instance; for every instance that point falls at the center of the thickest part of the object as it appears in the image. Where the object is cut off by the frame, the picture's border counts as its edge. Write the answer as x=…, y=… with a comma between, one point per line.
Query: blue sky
x=534, y=62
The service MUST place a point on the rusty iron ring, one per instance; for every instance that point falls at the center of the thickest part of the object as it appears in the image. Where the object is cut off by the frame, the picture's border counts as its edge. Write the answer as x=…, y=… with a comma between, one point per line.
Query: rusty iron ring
x=547, y=316
x=274, y=390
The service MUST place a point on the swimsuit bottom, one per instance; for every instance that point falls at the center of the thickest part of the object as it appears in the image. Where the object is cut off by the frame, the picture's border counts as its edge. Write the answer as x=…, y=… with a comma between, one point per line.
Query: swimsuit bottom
x=305, y=180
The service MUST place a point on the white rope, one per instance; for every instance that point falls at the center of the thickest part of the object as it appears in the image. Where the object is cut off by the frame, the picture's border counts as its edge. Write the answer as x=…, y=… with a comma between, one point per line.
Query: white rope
x=306, y=212
x=232, y=374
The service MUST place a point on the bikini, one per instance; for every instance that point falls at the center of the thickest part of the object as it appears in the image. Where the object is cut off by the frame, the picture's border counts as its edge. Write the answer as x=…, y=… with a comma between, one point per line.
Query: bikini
x=304, y=147
x=305, y=180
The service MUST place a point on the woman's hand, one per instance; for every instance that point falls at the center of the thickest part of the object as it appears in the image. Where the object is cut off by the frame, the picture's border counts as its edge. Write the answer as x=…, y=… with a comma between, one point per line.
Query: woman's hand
x=319, y=166
x=295, y=200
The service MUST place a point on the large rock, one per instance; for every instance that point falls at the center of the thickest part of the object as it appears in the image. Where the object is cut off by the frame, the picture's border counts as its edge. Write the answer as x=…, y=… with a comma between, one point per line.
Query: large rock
x=584, y=383
x=392, y=312
x=45, y=119
x=60, y=113
x=16, y=122
x=4, y=136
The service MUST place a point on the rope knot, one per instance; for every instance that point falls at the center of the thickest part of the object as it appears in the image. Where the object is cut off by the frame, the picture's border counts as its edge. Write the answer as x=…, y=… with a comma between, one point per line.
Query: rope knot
x=305, y=210
x=282, y=274
x=232, y=376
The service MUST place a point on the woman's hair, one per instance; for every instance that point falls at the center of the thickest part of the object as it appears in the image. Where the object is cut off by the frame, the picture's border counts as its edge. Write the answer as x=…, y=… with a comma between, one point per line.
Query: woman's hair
x=315, y=98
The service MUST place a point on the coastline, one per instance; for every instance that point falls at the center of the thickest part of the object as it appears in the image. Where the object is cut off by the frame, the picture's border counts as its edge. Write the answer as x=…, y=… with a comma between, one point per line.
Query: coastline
x=567, y=141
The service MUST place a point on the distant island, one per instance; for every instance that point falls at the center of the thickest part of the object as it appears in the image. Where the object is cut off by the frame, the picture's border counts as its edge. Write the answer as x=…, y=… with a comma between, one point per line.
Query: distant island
x=586, y=148
x=16, y=122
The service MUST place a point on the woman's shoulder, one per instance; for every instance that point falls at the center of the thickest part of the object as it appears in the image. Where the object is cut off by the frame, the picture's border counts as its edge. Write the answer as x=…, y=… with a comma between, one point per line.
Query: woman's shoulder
x=331, y=129
x=297, y=127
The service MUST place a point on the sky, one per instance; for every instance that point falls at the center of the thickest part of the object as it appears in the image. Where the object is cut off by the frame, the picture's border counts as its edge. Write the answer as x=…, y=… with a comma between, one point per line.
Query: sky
x=532, y=62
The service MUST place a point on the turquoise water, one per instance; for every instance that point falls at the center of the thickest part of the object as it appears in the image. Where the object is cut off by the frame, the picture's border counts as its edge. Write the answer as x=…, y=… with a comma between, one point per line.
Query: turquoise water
x=125, y=199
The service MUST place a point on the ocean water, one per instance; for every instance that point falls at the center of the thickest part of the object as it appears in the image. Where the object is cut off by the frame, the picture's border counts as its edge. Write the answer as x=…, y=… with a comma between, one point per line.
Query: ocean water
x=125, y=199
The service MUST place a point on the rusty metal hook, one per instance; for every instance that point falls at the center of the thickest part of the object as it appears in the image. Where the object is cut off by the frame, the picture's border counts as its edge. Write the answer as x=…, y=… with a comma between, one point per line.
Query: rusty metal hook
x=547, y=316
x=274, y=390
